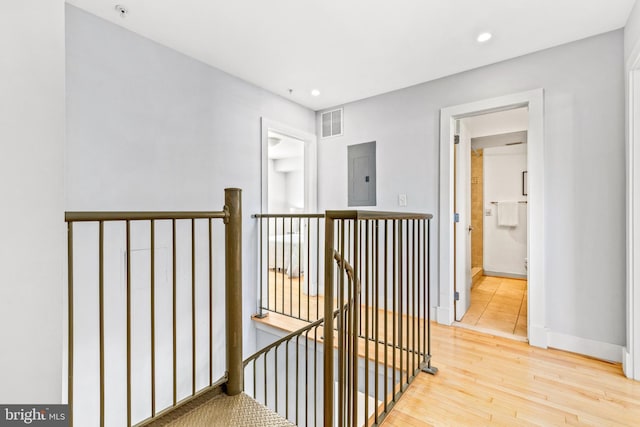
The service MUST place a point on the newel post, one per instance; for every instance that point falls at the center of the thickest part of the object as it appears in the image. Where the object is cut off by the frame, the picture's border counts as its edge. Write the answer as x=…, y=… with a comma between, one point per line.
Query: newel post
x=233, y=289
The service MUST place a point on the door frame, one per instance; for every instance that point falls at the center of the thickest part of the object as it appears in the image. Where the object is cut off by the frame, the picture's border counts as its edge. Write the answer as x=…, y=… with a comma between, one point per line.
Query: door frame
x=310, y=162
x=462, y=279
x=534, y=100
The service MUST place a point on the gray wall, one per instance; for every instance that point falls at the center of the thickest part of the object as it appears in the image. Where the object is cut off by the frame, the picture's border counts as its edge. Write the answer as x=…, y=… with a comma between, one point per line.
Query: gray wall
x=584, y=168
x=32, y=228
x=151, y=129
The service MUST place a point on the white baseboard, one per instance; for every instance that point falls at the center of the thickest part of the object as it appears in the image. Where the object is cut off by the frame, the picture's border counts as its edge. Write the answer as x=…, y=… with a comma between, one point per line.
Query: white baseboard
x=587, y=347
x=507, y=275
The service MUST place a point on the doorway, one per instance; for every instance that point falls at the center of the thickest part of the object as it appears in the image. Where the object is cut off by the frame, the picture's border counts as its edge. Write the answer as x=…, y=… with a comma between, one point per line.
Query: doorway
x=533, y=100
x=289, y=169
x=491, y=201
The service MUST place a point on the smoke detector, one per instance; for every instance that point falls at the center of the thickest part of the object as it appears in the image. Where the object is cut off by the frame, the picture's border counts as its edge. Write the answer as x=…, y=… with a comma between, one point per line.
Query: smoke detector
x=122, y=11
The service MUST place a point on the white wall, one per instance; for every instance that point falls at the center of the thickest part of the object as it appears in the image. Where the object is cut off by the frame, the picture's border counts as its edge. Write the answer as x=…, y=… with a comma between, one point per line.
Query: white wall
x=32, y=228
x=151, y=129
x=277, y=189
x=295, y=189
x=505, y=248
x=584, y=192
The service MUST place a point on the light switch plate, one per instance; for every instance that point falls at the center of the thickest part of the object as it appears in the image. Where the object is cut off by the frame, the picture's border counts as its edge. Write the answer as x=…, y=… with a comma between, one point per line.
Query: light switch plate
x=487, y=212
x=402, y=200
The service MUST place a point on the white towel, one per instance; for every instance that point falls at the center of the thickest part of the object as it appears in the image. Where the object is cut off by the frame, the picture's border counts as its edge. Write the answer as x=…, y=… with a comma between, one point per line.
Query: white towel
x=508, y=214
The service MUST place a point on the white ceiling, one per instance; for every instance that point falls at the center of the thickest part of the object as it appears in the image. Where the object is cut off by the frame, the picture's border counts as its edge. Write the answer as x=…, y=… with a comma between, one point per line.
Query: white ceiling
x=353, y=49
x=284, y=147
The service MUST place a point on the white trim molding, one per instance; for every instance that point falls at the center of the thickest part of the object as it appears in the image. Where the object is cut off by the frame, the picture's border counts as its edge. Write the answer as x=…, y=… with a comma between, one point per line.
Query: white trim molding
x=534, y=100
x=596, y=349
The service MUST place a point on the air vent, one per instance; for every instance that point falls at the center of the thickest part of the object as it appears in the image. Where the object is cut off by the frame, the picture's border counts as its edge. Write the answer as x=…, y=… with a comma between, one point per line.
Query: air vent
x=332, y=123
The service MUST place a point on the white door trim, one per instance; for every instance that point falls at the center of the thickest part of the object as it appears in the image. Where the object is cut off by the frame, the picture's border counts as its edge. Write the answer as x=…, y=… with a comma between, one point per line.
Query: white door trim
x=631, y=356
x=534, y=100
x=310, y=162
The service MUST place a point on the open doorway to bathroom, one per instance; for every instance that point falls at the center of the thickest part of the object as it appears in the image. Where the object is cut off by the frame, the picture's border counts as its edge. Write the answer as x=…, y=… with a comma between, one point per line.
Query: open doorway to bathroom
x=491, y=199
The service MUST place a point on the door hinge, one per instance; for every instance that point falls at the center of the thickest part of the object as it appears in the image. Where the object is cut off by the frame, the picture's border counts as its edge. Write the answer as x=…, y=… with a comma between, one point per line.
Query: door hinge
x=456, y=217
x=456, y=296
x=456, y=139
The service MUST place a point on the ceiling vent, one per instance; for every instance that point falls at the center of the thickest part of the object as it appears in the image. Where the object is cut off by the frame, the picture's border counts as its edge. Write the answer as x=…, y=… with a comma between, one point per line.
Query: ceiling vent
x=332, y=123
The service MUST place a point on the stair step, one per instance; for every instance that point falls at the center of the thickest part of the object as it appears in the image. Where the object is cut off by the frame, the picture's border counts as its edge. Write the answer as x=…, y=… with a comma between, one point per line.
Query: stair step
x=224, y=411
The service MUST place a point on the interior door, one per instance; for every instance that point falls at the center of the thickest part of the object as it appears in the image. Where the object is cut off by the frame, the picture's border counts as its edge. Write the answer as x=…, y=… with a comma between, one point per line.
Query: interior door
x=463, y=229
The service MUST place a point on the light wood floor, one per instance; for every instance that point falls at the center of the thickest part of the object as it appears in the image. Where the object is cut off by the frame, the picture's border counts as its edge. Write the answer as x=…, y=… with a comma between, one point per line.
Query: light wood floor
x=286, y=296
x=498, y=304
x=487, y=380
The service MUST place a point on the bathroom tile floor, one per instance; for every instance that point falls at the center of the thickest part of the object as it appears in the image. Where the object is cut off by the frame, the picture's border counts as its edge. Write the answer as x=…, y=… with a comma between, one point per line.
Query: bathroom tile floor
x=499, y=304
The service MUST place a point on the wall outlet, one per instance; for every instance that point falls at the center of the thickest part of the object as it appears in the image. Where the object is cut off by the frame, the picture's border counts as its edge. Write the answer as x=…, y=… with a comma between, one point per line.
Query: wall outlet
x=402, y=200
x=487, y=212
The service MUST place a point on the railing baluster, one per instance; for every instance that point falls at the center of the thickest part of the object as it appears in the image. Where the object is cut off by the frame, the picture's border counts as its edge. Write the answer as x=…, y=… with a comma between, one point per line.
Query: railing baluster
x=318, y=269
x=193, y=307
x=286, y=382
x=266, y=402
x=376, y=318
x=307, y=273
x=394, y=308
x=175, y=331
x=210, y=257
x=255, y=375
x=342, y=328
x=284, y=264
x=315, y=376
x=400, y=294
x=101, y=314
x=299, y=270
x=297, y=376
x=282, y=270
x=415, y=315
x=429, y=293
x=366, y=317
x=386, y=308
x=275, y=369
x=419, y=348
x=408, y=296
x=261, y=267
x=268, y=305
x=152, y=255
x=70, y=316
x=128, y=262
x=306, y=378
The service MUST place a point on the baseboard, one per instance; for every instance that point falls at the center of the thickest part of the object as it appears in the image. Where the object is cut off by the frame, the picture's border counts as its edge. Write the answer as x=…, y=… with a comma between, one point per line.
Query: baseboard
x=587, y=347
x=507, y=275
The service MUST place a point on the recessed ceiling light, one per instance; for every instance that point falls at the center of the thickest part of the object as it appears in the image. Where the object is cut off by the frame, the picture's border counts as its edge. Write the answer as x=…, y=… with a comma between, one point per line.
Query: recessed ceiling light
x=484, y=37
x=315, y=92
